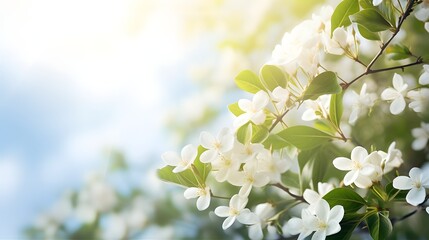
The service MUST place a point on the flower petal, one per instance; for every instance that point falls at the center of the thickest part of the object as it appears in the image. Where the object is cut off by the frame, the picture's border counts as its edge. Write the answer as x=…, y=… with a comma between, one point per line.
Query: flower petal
x=359, y=154
x=203, y=202
x=245, y=105
x=319, y=235
x=343, y=163
x=191, y=192
x=171, y=158
x=416, y=196
x=247, y=217
x=208, y=156
x=241, y=120
x=333, y=228
x=389, y=94
x=398, y=82
x=255, y=232
x=228, y=222
x=222, y=211
x=258, y=118
x=336, y=214
x=424, y=78
x=311, y=196
x=419, y=143
x=363, y=181
x=398, y=105
x=402, y=183
x=322, y=210
x=260, y=100
x=416, y=174
x=207, y=140
x=293, y=226
x=189, y=153
x=350, y=177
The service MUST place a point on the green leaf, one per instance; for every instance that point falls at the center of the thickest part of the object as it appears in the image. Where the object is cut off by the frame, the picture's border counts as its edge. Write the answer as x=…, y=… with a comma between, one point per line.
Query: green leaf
x=244, y=133
x=324, y=83
x=248, y=81
x=346, y=197
x=387, y=11
x=366, y=4
x=306, y=156
x=235, y=109
x=379, y=226
x=395, y=194
x=336, y=108
x=201, y=169
x=348, y=225
x=272, y=77
x=260, y=133
x=372, y=20
x=291, y=180
x=341, y=14
x=398, y=52
x=368, y=34
x=185, y=178
x=275, y=142
x=304, y=137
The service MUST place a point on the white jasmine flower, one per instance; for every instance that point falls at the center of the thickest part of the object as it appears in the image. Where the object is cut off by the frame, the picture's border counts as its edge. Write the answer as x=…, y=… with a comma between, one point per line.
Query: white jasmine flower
x=182, y=162
x=376, y=2
x=264, y=212
x=273, y=164
x=328, y=220
x=422, y=11
x=416, y=183
x=281, y=97
x=247, y=152
x=342, y=40
x=424, y=78
x=421, y=136
x=254, y=110
x=236, y=210
x=419, y=98
x=216, y=146
x=312, y=197
x=249, y=177
x=392, y=159
x=316, y=108
x=359, y=167
x=396, y=94
x=361, y=103
x=203, y=195
x=224, y=166
x=303, y=226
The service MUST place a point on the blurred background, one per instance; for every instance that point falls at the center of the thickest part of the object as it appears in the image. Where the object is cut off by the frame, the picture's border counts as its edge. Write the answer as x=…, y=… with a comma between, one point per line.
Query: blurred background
x=92, y=92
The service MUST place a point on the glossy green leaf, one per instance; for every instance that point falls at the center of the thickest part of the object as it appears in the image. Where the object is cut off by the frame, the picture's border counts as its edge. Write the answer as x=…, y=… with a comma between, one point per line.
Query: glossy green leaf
x=272, y=77
x=304, y=137
x=324, y=83
x=395, y=194
x=244, y=133
x=259, y=133
x=201, y=169
x=387, y=11
x=368, y=34
x=235, y=109
x=275, y=142
x=346, y=197
x=398, y=52
x=341, y=14
x=306, y=156
x=366, y=4
x=372, y=20
x=291, y=180
x=379, y=226
x=336, y=108
x=249, y=81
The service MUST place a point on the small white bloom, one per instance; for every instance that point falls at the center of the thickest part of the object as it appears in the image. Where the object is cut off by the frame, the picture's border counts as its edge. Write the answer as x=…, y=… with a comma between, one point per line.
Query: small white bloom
x=273, y=164
x=264, y=212
x=236, y=211
x=392, y=159
x=182, y=162
x=312, y=197
x=303, y=226
x=376, y=2
x=361, y=103
x=328, y=220
x=419, y=98
x=316, y=108
x=421, y=136
x=424, y=78
x=249, y=177
x=254, y=110
x=216, y=146
x=396, y=94
x=281, y=97
x=203, y=195
x=416, y=183
x=422, y=11
x=224, y=166
x=359, y=167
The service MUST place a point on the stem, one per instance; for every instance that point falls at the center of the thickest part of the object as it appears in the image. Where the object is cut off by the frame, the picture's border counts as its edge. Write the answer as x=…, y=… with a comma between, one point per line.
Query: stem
x=279, y=185
x=383, y=47
x=278, y=119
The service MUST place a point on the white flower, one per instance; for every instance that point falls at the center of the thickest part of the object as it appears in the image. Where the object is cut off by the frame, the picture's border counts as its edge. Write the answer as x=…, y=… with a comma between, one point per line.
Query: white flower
x=392, y=159
x=416, y=183
x=421, y=135
x=249, y=177
x=359, y=167
x=376, y=2
x=264, y=212
x=427, y=26
x=236, y=210
x=182, y=162
x=280, y=96
x=396, y=94
x=427, y=209
x=316, y=108
x=328, y=220
x=361, y=102
x=424, y=78
x=224, y=166
x=313, y=198
x=273, y=164
x=325, y=222
x=215, y=146
x=203, y=195
x=420, y=99
x=341, y=41
x=254, y=110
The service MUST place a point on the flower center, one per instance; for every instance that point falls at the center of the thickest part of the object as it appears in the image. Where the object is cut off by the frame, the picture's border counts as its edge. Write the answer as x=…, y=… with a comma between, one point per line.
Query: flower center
x=417, y=184
x=357, y=165
x=322, y=224
x=233, y=211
